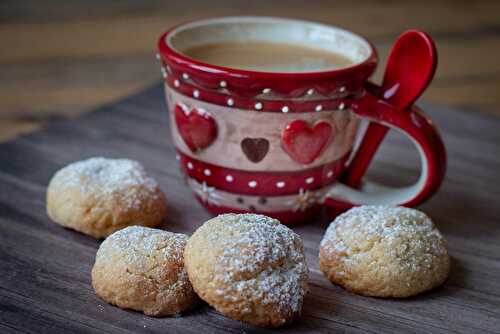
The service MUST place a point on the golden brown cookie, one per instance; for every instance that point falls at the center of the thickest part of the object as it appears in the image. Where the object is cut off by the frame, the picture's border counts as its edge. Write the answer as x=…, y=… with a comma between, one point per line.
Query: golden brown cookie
x=99, y=196
x=248, y=267
x=384, y=251
x=141, y=268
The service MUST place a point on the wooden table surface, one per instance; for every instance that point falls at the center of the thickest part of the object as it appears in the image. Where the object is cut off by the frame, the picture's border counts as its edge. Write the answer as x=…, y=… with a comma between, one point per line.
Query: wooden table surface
x=60, y=58
x=45, y=269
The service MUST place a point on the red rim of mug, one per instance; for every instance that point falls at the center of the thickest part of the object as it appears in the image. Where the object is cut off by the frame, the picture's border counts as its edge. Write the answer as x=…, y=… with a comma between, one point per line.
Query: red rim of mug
x=171, y=55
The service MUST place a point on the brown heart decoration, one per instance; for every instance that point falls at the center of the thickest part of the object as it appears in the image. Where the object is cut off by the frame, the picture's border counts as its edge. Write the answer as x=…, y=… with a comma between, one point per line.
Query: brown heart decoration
x=255, y=149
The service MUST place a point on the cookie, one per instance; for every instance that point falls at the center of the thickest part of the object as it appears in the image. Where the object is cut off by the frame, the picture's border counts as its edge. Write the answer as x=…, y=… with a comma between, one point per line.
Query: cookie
x=141, y=268
x=99, y=196
x=248, y=267
x=384, y=251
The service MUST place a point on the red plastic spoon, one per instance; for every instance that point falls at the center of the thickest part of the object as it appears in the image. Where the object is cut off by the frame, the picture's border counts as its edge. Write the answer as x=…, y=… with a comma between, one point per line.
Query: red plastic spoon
x=410, y=68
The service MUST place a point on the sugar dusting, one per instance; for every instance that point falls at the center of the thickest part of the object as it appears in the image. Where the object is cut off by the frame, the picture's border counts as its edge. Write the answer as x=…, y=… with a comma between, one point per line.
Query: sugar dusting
x=143, y=249
x=137, y=242
x=409, y=235
x=263, y=261
x=153, y=261
x=101, y=178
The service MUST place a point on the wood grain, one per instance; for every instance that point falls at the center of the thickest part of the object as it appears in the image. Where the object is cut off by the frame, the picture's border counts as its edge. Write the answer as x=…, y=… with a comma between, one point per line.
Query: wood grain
x=45, y=269
x=62, y=58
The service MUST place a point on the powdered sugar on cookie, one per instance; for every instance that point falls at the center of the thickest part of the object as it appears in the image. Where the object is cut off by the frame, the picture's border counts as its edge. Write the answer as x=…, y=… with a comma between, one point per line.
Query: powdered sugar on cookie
x=143, y=269
x=99, y=196
x=253, y=268
x=265, y=260
x=384, y=251
x=383, y=224
x=137, y=244
x=101, y=177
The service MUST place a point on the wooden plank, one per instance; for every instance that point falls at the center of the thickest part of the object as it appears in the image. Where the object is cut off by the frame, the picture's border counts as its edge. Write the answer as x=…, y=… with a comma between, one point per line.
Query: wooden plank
x=45, y=269
x=41, y=90
x=10, y=128
x=481, y=96
x=91, y=37
x=371, y=16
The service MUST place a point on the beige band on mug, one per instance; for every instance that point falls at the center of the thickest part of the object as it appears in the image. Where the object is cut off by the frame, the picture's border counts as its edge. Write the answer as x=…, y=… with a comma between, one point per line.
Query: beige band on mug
x=234, y=125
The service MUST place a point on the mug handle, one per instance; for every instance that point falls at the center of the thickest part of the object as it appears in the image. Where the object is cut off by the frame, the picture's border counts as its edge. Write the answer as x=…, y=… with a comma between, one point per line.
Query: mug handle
x=419, y=128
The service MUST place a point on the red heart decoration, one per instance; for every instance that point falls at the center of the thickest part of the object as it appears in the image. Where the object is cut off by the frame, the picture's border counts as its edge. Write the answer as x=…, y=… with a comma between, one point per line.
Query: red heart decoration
x=303, y=143
x=196, y=127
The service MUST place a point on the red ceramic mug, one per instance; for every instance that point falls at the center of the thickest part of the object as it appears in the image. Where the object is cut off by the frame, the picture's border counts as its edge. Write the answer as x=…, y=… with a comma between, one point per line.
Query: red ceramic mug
x=278, y=143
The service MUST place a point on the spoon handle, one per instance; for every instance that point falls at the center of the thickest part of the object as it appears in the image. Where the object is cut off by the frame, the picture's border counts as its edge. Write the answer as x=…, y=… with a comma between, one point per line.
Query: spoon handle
x=413, y=50
x=372, y=139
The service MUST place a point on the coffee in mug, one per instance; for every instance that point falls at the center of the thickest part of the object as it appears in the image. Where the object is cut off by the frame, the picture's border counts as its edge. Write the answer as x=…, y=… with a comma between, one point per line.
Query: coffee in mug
x=268, y=57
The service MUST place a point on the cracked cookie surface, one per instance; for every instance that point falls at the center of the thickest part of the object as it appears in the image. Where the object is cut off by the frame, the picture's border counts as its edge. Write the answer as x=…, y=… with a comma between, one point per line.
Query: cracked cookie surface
x=143, y=269
x=248, y=267
x=99, y=196
x=384, y=251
